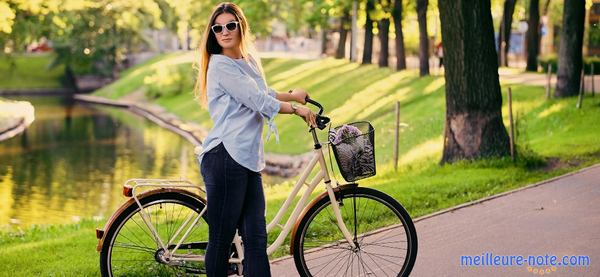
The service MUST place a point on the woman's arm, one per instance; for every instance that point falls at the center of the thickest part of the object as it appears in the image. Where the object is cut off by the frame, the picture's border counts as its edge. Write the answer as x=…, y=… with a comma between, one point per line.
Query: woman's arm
x=296, y=94
x=305, y=113
x=285, y=97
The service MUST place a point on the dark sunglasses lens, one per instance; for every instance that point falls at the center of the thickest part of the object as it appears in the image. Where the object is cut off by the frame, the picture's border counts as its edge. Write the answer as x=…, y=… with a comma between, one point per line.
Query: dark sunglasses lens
x=217, y=28
x=231, y=26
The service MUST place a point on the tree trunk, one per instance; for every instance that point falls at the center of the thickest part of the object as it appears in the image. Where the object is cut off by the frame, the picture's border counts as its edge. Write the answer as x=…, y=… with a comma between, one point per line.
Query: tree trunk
x=400, y=51
x=569, y=53
x=323, y=41
x=474, y=127
x=71, y=79
x=384, y=32
x=368, y=47
x=533, y=35
x=341, y=49
x=423, y=37
x=504, y=33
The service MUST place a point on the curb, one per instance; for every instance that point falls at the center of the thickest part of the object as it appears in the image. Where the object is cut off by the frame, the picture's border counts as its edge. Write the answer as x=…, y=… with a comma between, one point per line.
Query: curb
x=491, y=197
x=144, y=112
x=22, y=113
x=35, y=91
x=13, y=130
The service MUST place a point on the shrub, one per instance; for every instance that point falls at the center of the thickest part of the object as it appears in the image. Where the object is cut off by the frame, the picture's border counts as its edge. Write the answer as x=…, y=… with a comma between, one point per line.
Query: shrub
x=167, y=81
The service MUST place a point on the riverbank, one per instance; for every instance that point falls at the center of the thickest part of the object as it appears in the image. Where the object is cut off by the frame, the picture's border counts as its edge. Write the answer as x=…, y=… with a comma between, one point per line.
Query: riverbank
x=15, y=116
x=23, y=72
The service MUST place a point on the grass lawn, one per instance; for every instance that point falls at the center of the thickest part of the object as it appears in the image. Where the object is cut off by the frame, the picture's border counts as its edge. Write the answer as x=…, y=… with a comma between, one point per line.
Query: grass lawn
x=30, y=72
x=553, y=138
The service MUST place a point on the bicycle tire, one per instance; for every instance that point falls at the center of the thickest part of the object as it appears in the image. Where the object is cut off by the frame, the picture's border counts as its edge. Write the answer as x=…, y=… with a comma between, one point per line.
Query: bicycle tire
x=313, y=228
x=184, y=200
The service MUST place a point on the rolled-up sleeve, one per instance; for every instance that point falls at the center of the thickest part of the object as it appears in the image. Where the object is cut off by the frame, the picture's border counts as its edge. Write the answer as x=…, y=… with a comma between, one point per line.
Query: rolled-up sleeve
x=273, y=93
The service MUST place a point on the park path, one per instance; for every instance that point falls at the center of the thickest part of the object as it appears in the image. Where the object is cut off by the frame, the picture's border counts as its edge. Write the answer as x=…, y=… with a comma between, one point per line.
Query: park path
x=560, y=216
x=514, y=76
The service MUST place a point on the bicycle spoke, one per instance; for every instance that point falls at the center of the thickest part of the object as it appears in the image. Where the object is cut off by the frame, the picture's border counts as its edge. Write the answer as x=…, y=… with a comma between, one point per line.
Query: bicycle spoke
x=327, y=255
x=383, y=239
x=130, y=240
x=142, y=228
x=380, y=256
x=385, y=246
x=329, y=262
x=355, y=222
x=135, y=247
x=364, y=264
x=350, y=258
x=377, y=264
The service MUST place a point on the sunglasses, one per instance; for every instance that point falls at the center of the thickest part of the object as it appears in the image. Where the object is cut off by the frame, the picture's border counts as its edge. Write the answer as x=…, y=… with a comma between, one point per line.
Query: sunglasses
x=218, y=28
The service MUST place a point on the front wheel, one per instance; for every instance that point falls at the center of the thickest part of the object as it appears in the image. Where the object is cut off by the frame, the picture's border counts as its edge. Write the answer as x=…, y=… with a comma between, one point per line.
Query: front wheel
x=379, y=225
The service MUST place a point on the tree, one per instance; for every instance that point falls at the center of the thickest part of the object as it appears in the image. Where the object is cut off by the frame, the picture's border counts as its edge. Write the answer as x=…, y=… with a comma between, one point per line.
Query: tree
x=569, y=52
x=400, y=51
x=345, y=21
x=368, y=46
x=384, y=32
x=423, y=37
x=533, y=36
x=474, y=127
x=91, y=37
x=505, y=30
x=318, y=16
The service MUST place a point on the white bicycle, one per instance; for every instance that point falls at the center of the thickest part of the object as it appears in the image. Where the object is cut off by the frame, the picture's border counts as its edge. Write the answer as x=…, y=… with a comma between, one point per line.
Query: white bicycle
x=346, y=230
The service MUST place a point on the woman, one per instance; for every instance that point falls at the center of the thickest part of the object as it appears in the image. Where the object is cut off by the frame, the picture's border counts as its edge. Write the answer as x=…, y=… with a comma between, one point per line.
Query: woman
x=232, y=81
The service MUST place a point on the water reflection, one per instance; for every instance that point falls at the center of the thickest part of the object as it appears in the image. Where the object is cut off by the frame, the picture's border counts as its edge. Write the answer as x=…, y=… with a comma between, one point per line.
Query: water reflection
x=73, y=159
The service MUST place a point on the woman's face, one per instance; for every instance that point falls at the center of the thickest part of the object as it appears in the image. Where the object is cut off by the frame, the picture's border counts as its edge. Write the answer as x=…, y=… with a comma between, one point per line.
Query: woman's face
x=227, y=39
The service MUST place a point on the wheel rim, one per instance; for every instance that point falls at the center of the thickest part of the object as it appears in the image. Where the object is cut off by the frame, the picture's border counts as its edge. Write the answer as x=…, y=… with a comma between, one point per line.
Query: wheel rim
x=133, y=251
x=381, y=234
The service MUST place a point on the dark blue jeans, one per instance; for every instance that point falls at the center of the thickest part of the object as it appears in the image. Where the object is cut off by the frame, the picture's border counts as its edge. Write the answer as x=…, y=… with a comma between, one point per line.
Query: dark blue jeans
x=235, y=199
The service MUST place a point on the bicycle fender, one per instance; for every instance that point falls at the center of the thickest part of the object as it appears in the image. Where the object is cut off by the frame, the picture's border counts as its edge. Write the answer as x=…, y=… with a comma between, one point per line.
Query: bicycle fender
x=100, y=233
x=324, y=194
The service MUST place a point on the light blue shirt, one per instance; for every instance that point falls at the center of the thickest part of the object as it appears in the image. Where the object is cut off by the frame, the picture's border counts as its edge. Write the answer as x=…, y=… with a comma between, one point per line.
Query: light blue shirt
x=238, y=100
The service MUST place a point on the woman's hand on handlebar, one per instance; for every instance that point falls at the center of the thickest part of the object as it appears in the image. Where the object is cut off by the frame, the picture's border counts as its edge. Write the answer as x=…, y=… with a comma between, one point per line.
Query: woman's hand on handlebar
x=308, y=115
x=299, y=95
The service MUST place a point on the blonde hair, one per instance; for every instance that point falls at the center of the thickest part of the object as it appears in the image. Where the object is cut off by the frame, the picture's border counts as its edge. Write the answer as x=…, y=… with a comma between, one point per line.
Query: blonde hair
x=209, y=45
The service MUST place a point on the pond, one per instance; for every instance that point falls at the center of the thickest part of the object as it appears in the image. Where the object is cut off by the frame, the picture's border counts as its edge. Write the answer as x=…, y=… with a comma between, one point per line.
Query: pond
x=73, y=159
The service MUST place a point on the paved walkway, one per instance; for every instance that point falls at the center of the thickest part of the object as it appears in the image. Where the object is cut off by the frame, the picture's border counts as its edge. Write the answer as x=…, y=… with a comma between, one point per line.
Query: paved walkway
x=538, y=79
x=557, y=217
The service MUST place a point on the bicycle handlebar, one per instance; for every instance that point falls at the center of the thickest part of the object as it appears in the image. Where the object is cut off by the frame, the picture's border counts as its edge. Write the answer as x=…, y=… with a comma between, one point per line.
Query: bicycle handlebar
x=321, y=120
x=308, y=100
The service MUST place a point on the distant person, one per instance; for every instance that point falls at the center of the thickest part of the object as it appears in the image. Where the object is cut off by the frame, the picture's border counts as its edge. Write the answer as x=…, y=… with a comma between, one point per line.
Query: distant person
x=232, y=81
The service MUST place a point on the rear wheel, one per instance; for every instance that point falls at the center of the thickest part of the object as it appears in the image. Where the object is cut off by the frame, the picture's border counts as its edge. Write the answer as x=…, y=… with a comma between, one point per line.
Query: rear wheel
x=379, y=225
x=129, y=248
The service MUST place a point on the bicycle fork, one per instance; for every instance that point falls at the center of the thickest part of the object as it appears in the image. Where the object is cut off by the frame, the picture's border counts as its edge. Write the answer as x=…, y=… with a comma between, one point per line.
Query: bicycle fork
x=335, y=203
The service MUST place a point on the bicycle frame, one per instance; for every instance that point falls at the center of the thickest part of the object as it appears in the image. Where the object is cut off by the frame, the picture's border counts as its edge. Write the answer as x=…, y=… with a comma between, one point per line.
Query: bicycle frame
x=323, y=174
